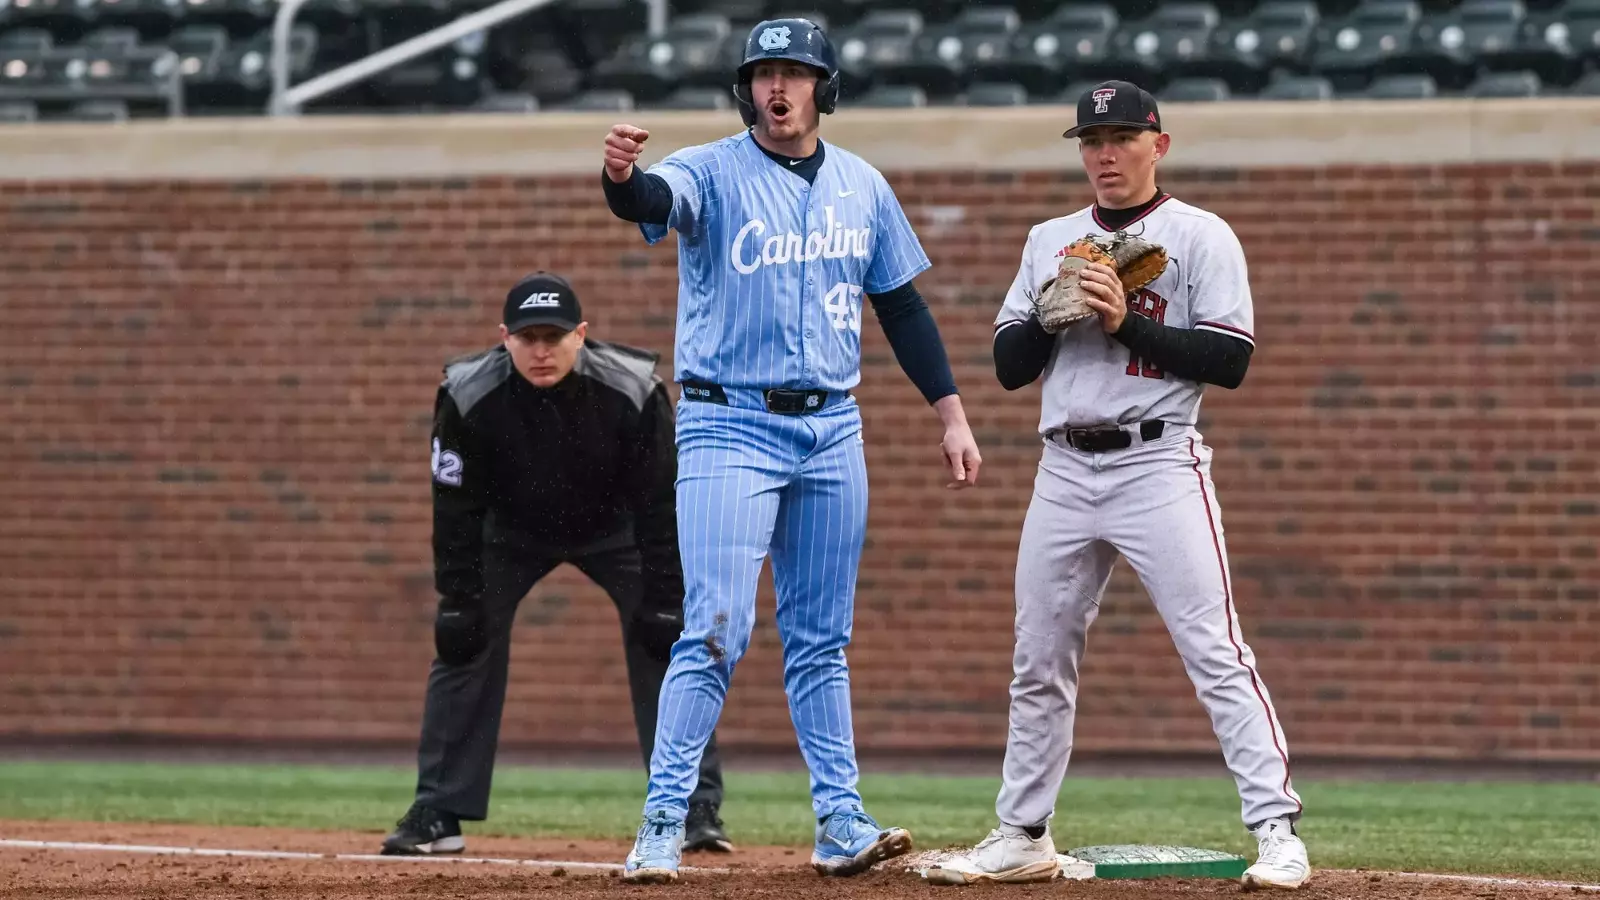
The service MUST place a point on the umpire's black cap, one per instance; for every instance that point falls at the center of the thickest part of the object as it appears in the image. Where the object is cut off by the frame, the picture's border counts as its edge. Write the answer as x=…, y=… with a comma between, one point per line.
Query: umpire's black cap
x=542, y=299
x=1118, y=103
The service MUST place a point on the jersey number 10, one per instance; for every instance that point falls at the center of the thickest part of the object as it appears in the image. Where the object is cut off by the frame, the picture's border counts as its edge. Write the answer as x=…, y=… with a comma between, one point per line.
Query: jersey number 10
x=1153, y=306
x=1137, y=367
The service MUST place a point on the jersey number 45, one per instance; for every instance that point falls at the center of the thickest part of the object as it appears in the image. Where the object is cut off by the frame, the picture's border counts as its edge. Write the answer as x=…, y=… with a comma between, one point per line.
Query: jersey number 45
x=843, y=303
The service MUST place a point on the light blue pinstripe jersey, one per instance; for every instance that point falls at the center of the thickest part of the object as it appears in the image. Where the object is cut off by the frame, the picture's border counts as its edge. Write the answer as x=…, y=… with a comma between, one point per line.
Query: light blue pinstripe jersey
x=772, y=271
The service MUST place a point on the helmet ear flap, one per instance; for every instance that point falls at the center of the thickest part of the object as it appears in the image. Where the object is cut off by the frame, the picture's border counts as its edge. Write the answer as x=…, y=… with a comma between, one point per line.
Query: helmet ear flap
x=746, y=102
x=827, y=94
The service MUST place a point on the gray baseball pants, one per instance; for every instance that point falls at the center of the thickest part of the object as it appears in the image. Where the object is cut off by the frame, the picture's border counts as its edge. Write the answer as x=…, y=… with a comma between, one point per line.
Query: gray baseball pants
x=1154, y=504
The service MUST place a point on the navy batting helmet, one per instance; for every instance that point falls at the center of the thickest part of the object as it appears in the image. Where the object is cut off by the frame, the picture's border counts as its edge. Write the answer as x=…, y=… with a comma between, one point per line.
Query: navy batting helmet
x=800, y=40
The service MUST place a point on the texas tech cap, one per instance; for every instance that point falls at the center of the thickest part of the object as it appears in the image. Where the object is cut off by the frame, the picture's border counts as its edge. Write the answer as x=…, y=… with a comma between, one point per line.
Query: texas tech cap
x=1117, y=103
x=542, y=299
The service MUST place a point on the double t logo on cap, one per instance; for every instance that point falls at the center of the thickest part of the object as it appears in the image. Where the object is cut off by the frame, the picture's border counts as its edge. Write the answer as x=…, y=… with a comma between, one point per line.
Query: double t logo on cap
x=1116, y=103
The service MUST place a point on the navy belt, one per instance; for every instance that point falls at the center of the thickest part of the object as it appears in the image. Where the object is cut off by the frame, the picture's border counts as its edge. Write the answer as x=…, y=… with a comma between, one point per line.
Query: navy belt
x=1100, y=438
x=782, y=401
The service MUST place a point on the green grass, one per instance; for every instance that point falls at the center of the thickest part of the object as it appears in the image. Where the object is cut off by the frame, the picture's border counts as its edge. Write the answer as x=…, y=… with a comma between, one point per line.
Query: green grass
x=1528, y=829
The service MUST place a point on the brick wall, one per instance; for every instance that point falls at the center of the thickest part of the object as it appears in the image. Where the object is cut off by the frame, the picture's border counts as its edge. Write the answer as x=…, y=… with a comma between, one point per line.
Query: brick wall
x=215, y=460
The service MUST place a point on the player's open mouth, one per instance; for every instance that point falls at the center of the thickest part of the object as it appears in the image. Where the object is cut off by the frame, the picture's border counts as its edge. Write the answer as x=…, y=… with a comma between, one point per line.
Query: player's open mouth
x=778, y=109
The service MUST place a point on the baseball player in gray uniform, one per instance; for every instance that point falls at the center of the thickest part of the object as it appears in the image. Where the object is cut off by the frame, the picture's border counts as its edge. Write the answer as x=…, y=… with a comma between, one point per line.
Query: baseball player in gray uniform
x=1124, y=471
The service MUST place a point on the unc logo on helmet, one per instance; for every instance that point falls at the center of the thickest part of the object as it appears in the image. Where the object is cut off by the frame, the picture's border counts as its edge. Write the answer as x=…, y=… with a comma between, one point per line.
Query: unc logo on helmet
x=775, y=38
x=797, y=40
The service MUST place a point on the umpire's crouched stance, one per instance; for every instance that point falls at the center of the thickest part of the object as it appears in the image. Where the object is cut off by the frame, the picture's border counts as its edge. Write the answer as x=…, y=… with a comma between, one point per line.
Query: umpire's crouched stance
x=550, y=448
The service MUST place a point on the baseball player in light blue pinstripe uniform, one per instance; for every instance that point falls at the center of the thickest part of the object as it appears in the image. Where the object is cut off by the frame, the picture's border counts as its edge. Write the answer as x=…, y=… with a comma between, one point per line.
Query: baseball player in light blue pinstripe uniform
x=781, y=241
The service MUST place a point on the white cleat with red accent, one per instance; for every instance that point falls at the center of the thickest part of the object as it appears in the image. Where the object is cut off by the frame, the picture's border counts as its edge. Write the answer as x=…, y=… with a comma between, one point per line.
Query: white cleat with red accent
x=1282, y=863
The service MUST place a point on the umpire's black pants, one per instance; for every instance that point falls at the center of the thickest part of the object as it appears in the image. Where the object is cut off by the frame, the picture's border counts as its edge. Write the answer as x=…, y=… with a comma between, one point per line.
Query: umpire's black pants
x=461, y=721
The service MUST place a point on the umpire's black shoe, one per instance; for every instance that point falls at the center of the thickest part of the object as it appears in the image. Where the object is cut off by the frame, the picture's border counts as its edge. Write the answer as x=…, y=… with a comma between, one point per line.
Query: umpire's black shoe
x=702, y=830
x=423, y=832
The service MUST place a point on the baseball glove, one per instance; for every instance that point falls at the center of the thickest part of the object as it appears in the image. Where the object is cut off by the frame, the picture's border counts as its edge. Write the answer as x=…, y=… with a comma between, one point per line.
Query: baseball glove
x=1062, y=300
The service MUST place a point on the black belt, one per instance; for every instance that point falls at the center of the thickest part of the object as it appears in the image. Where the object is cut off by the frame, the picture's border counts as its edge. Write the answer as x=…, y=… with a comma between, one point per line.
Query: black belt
x=778, y=400
x=1107, y=437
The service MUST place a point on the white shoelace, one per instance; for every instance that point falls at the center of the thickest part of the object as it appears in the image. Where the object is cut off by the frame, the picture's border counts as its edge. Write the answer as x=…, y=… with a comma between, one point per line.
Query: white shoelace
x=1276, y=849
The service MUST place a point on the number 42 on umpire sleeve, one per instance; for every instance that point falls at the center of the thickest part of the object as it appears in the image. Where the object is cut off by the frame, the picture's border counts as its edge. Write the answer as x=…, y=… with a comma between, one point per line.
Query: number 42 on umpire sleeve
x=843, y=303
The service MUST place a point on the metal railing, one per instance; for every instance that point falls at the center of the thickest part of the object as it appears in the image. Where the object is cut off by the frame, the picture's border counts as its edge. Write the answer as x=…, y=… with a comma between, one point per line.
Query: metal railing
x=288, y=100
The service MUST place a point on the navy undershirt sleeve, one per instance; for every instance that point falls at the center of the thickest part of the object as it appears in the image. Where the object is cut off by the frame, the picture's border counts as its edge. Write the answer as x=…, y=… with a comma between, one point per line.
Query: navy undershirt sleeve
x=642, y=198
x=1206, y=356
x=914, y=337
x=1021, y=351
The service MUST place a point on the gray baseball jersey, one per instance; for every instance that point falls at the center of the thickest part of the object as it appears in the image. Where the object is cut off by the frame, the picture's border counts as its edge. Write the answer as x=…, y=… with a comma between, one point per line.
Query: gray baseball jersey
x=1153, y=504
x=1091, y=378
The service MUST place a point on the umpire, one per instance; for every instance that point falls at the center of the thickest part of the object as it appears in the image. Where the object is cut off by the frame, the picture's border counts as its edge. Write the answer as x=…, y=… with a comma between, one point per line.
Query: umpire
x=549, y=448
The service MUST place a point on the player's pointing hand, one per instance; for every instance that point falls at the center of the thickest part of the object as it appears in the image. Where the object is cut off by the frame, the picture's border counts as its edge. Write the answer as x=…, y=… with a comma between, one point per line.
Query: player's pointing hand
x=624, y=143
x=961, y=454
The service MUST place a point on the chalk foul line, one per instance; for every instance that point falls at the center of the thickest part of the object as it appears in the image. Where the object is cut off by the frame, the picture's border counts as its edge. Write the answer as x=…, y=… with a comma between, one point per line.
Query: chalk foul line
x=1476, y=879
x=162, y=850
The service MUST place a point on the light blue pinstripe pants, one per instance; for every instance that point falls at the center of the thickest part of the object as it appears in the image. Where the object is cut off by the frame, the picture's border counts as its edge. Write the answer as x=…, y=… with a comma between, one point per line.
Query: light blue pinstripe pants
x=752, y=482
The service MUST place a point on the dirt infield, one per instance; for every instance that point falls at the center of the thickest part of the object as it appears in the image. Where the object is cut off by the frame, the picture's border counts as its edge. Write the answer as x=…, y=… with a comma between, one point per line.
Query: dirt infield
x=757, y=872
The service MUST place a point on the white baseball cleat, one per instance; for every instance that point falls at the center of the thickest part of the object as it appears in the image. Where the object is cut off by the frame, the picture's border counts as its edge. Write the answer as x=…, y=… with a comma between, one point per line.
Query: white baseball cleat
x=1282, y=863
x=1006, y=856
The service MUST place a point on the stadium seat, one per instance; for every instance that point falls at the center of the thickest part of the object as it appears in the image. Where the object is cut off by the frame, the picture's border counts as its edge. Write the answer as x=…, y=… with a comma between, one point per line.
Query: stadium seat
x=834, y=12
x=18, y=111
x=1297, y=87
x=1582, y=18
x=886, y=96
x=25, y=42
x=328, y=16
x=991, y=93
x=1041, y=56
x=437, y=80
x=506, y=102
x=532, y=62
x=1401, y=87
x=942, y=56
x=240, y=16
x=1448, y=45
x=732, y=10
x=1195, y=90
x=594, y=30
x=1552, y=43
x=599, y=101
x=1351, y=48
x=64, y=16
x=202, y=52
x=451, y=77
x=149, y=16
x=697, y=98
x=109, y=63
x=882, y=37
x=111, y=40
x=246, y=79
x=1587, y=86
x=651, y=68
x=932, y=11
x=1073, y=90
x=1505, y=84
x=1246, y=50
x=95, y=111
x=22, y=61
x=1145, y=51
